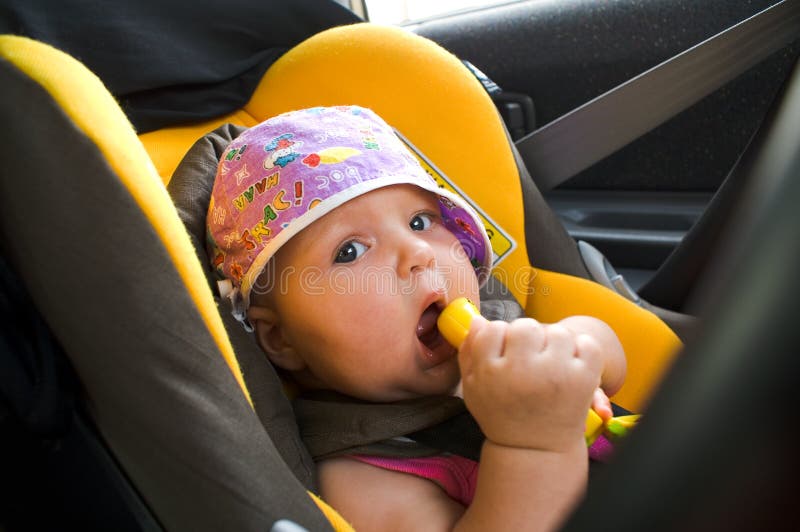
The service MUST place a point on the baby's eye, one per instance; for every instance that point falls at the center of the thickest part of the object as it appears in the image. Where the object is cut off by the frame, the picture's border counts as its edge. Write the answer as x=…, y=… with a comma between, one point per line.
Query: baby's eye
x=350, y=251
x=420, y=222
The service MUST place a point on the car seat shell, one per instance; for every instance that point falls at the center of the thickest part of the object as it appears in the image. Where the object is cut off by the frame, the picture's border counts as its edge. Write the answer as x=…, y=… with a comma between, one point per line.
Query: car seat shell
x=462, y=133
x=128, y=369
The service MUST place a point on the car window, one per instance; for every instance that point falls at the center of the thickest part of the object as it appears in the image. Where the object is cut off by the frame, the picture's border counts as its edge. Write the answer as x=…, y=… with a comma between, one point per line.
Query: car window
x=405, y=11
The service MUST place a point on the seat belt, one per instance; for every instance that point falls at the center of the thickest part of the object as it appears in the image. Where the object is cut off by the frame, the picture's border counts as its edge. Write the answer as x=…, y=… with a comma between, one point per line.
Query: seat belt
x=575, y=141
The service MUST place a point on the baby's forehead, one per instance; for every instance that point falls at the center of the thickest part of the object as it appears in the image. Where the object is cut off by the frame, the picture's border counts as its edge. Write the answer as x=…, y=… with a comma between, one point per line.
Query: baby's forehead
x=363, y=210
x=381, y=202
x=392, y=196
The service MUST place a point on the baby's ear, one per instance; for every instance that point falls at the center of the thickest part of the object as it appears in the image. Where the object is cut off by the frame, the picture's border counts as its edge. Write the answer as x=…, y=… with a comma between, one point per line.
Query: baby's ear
x=270, y=337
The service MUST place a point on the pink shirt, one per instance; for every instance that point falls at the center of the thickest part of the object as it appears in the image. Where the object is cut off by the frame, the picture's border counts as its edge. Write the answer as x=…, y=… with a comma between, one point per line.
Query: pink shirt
x=456, y=475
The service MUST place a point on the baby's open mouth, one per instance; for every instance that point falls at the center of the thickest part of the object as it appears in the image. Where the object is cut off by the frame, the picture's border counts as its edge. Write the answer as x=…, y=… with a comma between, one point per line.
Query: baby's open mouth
x=436, y=348
x=427, y=332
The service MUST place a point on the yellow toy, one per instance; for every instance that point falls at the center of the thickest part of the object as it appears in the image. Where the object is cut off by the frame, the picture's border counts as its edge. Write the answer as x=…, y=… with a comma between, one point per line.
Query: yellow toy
x=454, y=322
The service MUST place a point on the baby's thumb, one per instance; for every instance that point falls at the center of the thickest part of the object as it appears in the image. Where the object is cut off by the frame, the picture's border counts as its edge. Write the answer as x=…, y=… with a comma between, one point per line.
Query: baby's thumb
x=465, y=351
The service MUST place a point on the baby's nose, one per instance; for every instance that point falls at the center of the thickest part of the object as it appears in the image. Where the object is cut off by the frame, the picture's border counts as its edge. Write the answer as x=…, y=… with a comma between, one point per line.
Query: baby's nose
x=416, y=255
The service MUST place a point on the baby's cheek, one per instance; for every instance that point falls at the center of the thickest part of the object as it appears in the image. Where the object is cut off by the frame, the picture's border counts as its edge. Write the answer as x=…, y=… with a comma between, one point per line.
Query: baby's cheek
x=456, y=272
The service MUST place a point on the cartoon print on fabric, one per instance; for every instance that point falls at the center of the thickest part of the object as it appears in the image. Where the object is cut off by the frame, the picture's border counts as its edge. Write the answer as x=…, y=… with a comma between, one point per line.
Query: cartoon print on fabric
x=236, y=154
x=241, y=174
x=236, y=271
x=368, y=139
x=330, y=156
x=283, y=151
x=463, y=224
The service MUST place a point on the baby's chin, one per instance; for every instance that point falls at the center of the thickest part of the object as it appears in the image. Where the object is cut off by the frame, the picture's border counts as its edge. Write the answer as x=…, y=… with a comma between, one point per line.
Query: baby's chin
x=446, y=385
x=444, y=379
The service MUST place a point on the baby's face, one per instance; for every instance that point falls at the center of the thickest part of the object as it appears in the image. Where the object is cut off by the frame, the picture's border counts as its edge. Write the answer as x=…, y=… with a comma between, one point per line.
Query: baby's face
x=359, y=292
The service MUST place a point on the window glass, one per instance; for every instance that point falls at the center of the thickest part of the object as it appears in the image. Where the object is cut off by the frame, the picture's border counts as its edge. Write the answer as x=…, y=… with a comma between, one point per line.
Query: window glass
x=403, y=11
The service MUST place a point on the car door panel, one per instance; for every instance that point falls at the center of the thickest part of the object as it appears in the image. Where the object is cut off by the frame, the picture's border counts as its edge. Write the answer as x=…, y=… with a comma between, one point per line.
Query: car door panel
x=636, y=230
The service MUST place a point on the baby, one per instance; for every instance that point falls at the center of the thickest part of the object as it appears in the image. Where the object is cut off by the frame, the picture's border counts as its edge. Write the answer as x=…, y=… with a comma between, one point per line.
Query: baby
x=339, y=251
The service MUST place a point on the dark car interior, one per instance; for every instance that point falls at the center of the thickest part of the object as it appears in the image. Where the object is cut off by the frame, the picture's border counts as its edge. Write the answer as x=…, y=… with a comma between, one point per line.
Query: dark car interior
x=552, y=57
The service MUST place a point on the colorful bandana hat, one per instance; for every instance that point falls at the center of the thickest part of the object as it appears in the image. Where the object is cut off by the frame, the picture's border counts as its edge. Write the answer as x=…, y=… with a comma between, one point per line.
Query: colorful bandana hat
x=278, y=177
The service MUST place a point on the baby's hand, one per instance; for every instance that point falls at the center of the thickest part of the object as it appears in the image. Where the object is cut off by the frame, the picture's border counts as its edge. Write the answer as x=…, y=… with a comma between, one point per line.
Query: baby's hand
x=529, y=384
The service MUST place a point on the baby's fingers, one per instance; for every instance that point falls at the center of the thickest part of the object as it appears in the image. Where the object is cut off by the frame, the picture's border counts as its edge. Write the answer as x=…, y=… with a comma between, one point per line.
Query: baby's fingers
x=576, y=358
x=483, y=339
x=524, y=337
x=560, y=342
x=602, y=405
x=588, y=351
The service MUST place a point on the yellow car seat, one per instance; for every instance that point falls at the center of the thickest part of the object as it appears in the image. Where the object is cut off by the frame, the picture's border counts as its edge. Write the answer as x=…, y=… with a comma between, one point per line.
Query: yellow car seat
x=89, y=230
x=347, y=65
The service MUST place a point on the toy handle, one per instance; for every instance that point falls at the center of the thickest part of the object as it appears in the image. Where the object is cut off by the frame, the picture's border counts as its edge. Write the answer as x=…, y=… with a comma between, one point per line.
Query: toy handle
x=453, y=324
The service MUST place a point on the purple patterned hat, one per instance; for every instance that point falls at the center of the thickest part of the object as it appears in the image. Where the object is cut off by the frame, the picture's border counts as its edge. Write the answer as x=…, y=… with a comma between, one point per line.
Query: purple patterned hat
x=283, y=174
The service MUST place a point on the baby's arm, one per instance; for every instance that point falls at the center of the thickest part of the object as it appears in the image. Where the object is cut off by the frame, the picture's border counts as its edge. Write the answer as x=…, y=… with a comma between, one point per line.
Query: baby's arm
x=529, y=386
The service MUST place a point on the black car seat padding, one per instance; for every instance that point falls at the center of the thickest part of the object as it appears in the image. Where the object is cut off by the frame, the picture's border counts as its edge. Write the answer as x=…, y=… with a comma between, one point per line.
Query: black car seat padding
x=168, y=63
x=89, y=228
